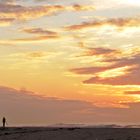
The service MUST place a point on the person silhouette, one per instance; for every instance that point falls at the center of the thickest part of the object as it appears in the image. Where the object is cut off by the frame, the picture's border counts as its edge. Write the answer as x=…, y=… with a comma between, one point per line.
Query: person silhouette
x=3, y=121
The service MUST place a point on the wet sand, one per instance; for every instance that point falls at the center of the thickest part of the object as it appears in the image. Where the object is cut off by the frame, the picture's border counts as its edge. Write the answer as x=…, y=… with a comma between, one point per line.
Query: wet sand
x=44, y=133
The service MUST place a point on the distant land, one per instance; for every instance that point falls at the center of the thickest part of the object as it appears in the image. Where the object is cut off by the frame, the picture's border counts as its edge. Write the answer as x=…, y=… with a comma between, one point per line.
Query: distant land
x=94, y=126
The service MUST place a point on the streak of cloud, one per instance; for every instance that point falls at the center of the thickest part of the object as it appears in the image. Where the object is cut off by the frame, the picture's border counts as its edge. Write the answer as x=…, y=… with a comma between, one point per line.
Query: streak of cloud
x=117, y=22
x=129, y=77
x=19, y=12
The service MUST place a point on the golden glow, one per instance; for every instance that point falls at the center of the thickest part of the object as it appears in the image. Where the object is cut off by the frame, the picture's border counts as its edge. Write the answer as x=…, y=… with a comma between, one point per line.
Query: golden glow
x=115, y=72
x=41, y=44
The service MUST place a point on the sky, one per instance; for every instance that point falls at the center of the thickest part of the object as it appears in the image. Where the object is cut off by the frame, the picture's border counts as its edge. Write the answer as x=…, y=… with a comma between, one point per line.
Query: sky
x=70, y=61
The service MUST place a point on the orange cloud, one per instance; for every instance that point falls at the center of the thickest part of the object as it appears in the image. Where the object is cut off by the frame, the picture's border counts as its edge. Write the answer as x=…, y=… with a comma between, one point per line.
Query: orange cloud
x=118, y=22
x=40, y=31
x=23, y=13
x=100, y=51
x=19, y=12
x=78, y=7
x=6, y=21
x=132, y=92
x=35, y=39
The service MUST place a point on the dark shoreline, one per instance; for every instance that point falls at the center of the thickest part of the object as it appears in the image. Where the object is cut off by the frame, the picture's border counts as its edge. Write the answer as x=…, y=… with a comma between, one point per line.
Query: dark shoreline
x=69, y=133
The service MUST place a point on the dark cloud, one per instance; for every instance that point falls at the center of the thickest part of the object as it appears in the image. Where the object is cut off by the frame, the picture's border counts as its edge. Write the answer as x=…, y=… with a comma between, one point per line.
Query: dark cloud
x=130, y=78
x=88, y=70
x=23, y=107
x=106, y=52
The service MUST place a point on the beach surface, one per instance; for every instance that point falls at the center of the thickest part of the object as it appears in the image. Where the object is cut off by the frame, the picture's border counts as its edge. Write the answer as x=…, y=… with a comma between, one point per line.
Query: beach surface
x=43, y=133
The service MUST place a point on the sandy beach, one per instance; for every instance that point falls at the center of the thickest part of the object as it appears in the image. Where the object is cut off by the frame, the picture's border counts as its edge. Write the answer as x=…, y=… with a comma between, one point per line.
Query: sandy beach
x=43, y=133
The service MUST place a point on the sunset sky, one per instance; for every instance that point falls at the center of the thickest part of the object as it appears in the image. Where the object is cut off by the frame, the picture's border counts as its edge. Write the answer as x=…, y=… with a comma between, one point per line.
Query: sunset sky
x=70, y=61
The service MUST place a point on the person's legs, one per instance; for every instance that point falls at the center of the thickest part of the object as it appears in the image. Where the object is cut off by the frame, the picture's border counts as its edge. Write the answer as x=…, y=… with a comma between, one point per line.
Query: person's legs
x=3, y=124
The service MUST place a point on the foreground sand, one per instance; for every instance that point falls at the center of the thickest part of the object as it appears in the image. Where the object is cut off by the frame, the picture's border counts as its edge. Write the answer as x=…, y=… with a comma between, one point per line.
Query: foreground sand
x=24, y=133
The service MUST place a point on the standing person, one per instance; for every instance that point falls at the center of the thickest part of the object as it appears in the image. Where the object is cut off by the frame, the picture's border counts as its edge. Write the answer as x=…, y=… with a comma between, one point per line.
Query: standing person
x=3, y=121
